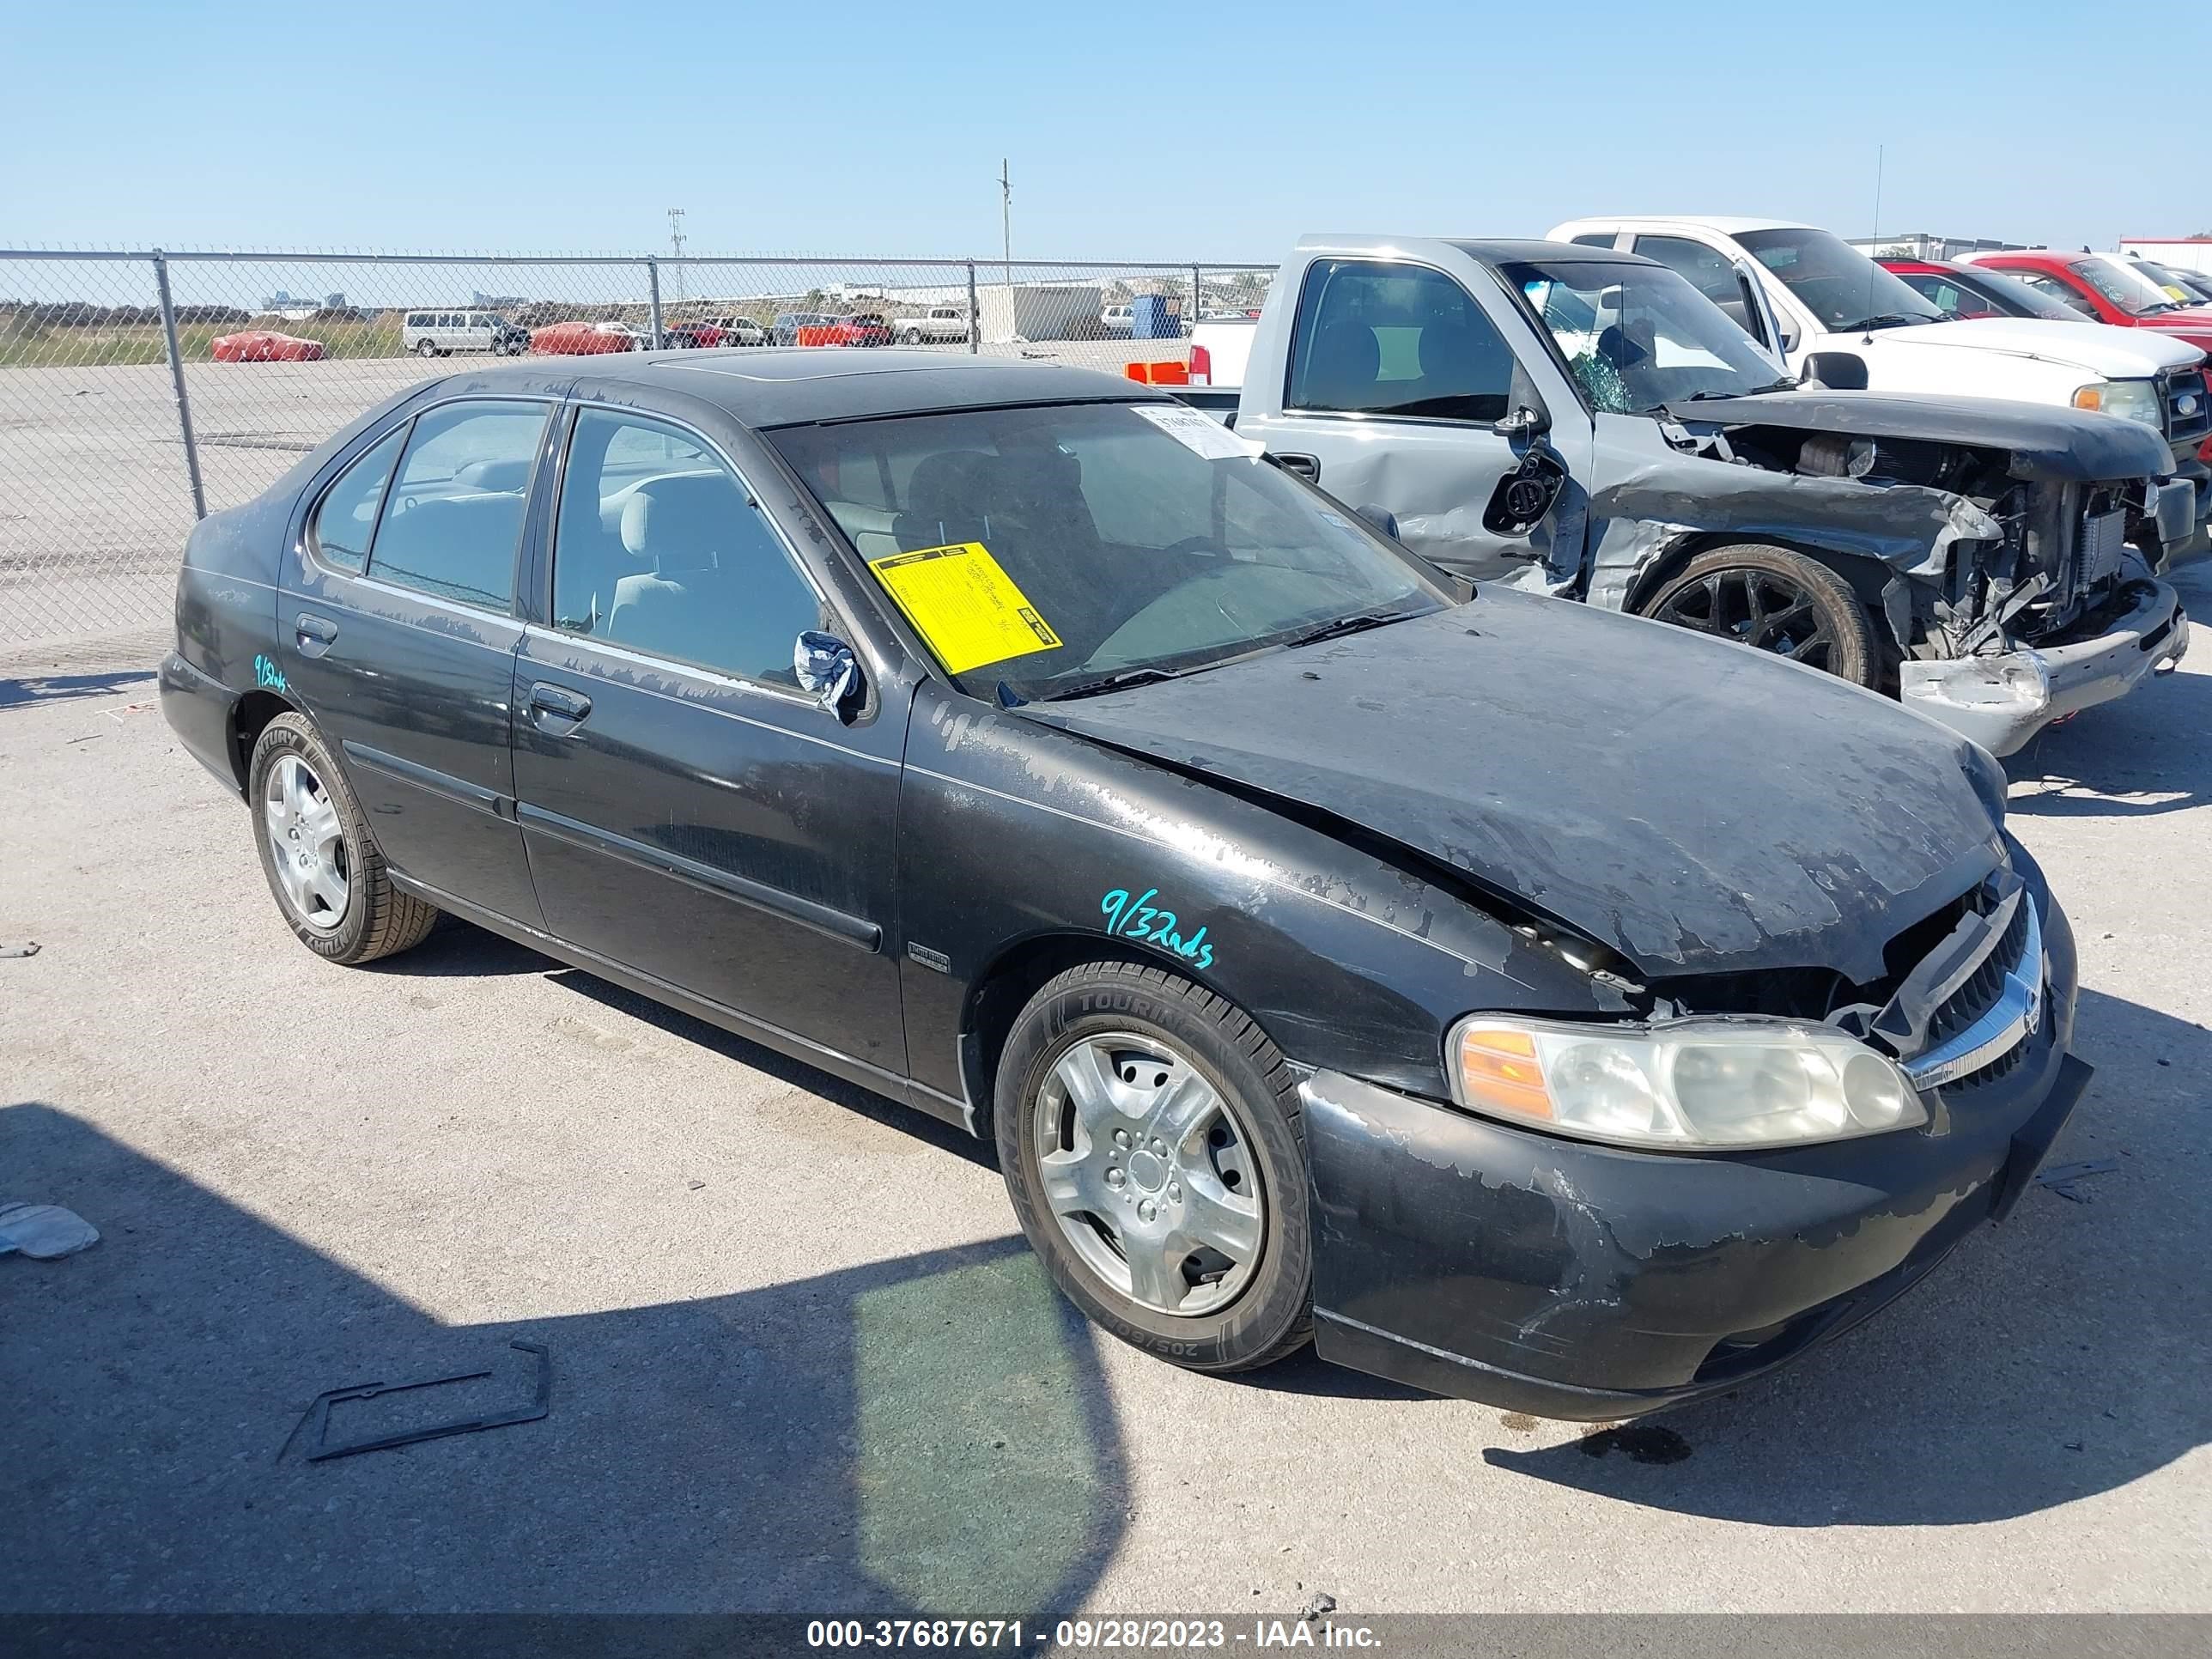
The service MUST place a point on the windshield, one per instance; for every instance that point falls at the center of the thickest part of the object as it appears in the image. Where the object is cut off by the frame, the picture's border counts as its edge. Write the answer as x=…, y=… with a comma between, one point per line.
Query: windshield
x=1051, y=550
x=2132, y=292
x=1637, y=335
x=1835, y=282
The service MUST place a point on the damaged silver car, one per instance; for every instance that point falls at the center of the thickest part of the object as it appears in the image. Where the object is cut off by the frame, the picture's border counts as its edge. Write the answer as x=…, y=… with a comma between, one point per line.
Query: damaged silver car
x=1592, y=425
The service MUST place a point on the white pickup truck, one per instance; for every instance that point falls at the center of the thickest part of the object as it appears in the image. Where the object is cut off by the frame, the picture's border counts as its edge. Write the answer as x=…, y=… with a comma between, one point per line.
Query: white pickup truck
x=1833, y=313
x=936, y=325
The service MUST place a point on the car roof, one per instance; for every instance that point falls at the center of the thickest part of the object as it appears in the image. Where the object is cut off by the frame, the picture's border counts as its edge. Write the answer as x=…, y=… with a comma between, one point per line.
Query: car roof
x=1728, y=225
x=1498, y=251
x=795, y=385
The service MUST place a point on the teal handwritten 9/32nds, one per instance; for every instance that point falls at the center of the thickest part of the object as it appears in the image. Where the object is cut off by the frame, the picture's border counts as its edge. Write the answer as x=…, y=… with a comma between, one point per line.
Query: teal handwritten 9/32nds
x=1141, y=919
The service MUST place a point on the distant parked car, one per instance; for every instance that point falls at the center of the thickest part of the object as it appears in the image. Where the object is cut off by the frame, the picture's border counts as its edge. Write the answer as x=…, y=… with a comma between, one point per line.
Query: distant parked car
x=441, y=333
x=861, y=328
x=1118, y=320
x=737, y=331
x=586, y=339
x=262, y=345
x=2189, y=287
x=696, y=333
x=939, y=323
x=784, y=331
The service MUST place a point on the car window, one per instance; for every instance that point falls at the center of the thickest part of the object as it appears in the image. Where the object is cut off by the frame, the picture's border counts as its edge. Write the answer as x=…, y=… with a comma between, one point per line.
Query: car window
x=1839, y=285
x=2039, y=281
x=1396, y=339
x=1595, y=238
x=2133, y=293
x=659, y=547
x=452, y=518
x=1947, y=296
x=1637, y=335
x=1708, y=270
x=347, y=517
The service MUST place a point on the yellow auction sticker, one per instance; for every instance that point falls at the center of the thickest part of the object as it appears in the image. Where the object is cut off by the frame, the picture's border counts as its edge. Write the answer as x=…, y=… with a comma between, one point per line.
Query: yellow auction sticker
x=964, y=605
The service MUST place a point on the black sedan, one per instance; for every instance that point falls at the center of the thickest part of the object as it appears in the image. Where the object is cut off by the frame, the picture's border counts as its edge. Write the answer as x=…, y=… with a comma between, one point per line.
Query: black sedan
x=1530, y=1002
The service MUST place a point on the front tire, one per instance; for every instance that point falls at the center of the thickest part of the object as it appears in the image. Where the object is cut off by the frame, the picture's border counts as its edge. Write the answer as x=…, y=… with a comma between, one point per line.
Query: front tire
x=425, y=349
x=1150, y=1137
x=316, y=850
x=1772, y=598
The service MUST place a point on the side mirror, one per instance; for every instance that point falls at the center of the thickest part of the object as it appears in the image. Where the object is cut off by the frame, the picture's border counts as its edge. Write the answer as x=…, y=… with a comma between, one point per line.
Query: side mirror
x=1522, y=423
x=1839, y=371
x=827, y=670
x=1381, y=516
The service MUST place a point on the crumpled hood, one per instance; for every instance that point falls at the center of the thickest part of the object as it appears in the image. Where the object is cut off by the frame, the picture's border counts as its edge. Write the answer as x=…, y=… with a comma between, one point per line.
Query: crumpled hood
x=1699, y=807
x=2114, y=354
x=2044, y=442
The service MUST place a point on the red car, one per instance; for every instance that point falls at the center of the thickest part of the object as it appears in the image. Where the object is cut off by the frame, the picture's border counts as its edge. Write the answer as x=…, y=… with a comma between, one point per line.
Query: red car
x=1964, y=292
x=862, y=328
x=262, y=345
x=584, y=339
x=2103, y=291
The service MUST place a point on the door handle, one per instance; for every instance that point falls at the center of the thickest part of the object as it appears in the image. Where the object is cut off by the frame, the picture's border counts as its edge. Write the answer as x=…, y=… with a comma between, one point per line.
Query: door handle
x=563, y=711
x=315, y=634
x=1306, y=466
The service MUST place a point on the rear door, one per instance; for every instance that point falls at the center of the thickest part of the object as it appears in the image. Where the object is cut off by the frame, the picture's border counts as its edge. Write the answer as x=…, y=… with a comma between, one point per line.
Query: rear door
x=1400, y=372
x=689, y=813
x=398, y=629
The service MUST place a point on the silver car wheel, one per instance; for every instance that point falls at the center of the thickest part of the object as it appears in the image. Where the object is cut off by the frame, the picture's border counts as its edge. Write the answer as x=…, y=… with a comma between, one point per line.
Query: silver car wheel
x=307, y=843
x=1150, y=1171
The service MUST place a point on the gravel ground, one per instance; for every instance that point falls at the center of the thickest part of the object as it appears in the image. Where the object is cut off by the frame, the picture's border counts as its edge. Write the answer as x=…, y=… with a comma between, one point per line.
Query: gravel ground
x=802, y=1362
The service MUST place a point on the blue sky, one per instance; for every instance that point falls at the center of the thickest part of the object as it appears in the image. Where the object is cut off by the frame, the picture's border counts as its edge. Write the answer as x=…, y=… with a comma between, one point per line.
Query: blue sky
x=1181, y=130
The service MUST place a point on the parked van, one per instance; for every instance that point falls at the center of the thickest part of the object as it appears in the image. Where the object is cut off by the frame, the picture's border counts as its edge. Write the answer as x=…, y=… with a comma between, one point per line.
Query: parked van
x=441, y=333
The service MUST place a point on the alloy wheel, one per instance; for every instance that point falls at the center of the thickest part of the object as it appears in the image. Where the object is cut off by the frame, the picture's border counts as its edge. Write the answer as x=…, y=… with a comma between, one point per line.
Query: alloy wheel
x=1758, y=608
x=307, y=843
x=1150, y=1171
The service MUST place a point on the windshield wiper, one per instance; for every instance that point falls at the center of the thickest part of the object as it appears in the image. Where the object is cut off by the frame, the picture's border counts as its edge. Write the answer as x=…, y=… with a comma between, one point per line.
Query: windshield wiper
x=1887, y=320
x=1351, y=625
x=1115, y=681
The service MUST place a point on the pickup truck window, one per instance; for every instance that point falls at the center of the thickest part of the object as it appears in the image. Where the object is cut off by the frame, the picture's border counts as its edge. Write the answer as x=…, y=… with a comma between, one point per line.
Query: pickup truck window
x=2136, y=296
x=1142, y=555
x=2051, y=288
x=1637, y=335
x=1831, y=279
x=1379, y=338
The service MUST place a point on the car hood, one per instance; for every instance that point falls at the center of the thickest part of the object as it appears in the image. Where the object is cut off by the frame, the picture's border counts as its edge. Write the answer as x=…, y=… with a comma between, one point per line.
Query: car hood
x=1699, y=807
x=2044, y=442
x=2116, y=354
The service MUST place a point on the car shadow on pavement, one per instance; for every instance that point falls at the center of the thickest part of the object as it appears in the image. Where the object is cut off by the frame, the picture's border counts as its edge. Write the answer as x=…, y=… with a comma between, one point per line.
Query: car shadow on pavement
x=2148, y=754
x=2055, y=1356
x=61, y=688
x=925, y=1435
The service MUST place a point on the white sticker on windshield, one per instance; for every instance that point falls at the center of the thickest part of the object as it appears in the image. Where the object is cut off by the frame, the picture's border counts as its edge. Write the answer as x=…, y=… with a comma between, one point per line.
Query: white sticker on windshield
x=1200, y=433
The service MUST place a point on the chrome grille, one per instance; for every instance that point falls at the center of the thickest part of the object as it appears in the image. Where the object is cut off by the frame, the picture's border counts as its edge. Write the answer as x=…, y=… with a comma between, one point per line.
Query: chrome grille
x=2180, y=386
x=1980, y=1029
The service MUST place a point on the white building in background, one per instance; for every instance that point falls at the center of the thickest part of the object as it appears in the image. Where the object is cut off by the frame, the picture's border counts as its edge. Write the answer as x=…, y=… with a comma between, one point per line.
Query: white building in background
x=2182, y=252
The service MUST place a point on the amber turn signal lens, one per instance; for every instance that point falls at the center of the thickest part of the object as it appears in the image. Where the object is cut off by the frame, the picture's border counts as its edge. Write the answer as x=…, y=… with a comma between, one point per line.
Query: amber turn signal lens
x=2089, y=397
x=1499, y=1070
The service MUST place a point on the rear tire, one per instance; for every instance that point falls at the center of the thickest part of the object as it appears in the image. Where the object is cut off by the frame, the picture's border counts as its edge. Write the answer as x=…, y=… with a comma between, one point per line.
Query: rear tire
x=913, y=337
x=330, y=880
x=1150, y=1138
x=425, y=349
x=1772, y=598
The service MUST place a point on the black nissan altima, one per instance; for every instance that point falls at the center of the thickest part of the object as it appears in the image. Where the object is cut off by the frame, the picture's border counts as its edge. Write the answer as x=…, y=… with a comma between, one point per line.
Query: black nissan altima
x=1525, y=1001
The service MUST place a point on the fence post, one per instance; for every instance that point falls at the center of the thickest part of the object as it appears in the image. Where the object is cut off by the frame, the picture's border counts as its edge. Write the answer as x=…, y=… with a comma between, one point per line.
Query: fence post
x=974, y=318
x=177, y=380
x=653, y=285
x=1195, y=307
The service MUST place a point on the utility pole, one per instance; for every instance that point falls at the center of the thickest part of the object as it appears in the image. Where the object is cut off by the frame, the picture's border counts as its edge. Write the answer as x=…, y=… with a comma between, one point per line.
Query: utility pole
x=676, y=242
x=1006, y=223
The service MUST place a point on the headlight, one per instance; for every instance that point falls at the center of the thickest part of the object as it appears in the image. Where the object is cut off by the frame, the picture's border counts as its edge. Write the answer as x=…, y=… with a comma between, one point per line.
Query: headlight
x=2133, y=400
x=1682, y=1085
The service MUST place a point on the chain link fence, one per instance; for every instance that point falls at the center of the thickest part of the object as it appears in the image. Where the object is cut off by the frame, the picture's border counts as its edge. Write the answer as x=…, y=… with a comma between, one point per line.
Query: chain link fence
x=140, y=390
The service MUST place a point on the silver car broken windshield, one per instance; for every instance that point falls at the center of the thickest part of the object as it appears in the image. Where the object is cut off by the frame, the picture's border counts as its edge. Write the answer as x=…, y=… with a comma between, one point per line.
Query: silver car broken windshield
x=1637, y=337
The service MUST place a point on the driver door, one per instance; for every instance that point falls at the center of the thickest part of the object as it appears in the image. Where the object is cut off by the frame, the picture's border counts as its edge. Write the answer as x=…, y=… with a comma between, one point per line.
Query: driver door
x=689, y=813
x=1399, y=380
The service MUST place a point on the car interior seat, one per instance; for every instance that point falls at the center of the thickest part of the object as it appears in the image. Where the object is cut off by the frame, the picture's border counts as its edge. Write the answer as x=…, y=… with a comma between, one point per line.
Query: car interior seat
x=1342, y=368
x=682, y=526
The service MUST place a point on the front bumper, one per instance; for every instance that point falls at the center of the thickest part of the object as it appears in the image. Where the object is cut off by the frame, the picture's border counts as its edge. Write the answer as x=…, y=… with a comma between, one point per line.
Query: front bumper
x=2003, y=701
x=1568, y=1280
